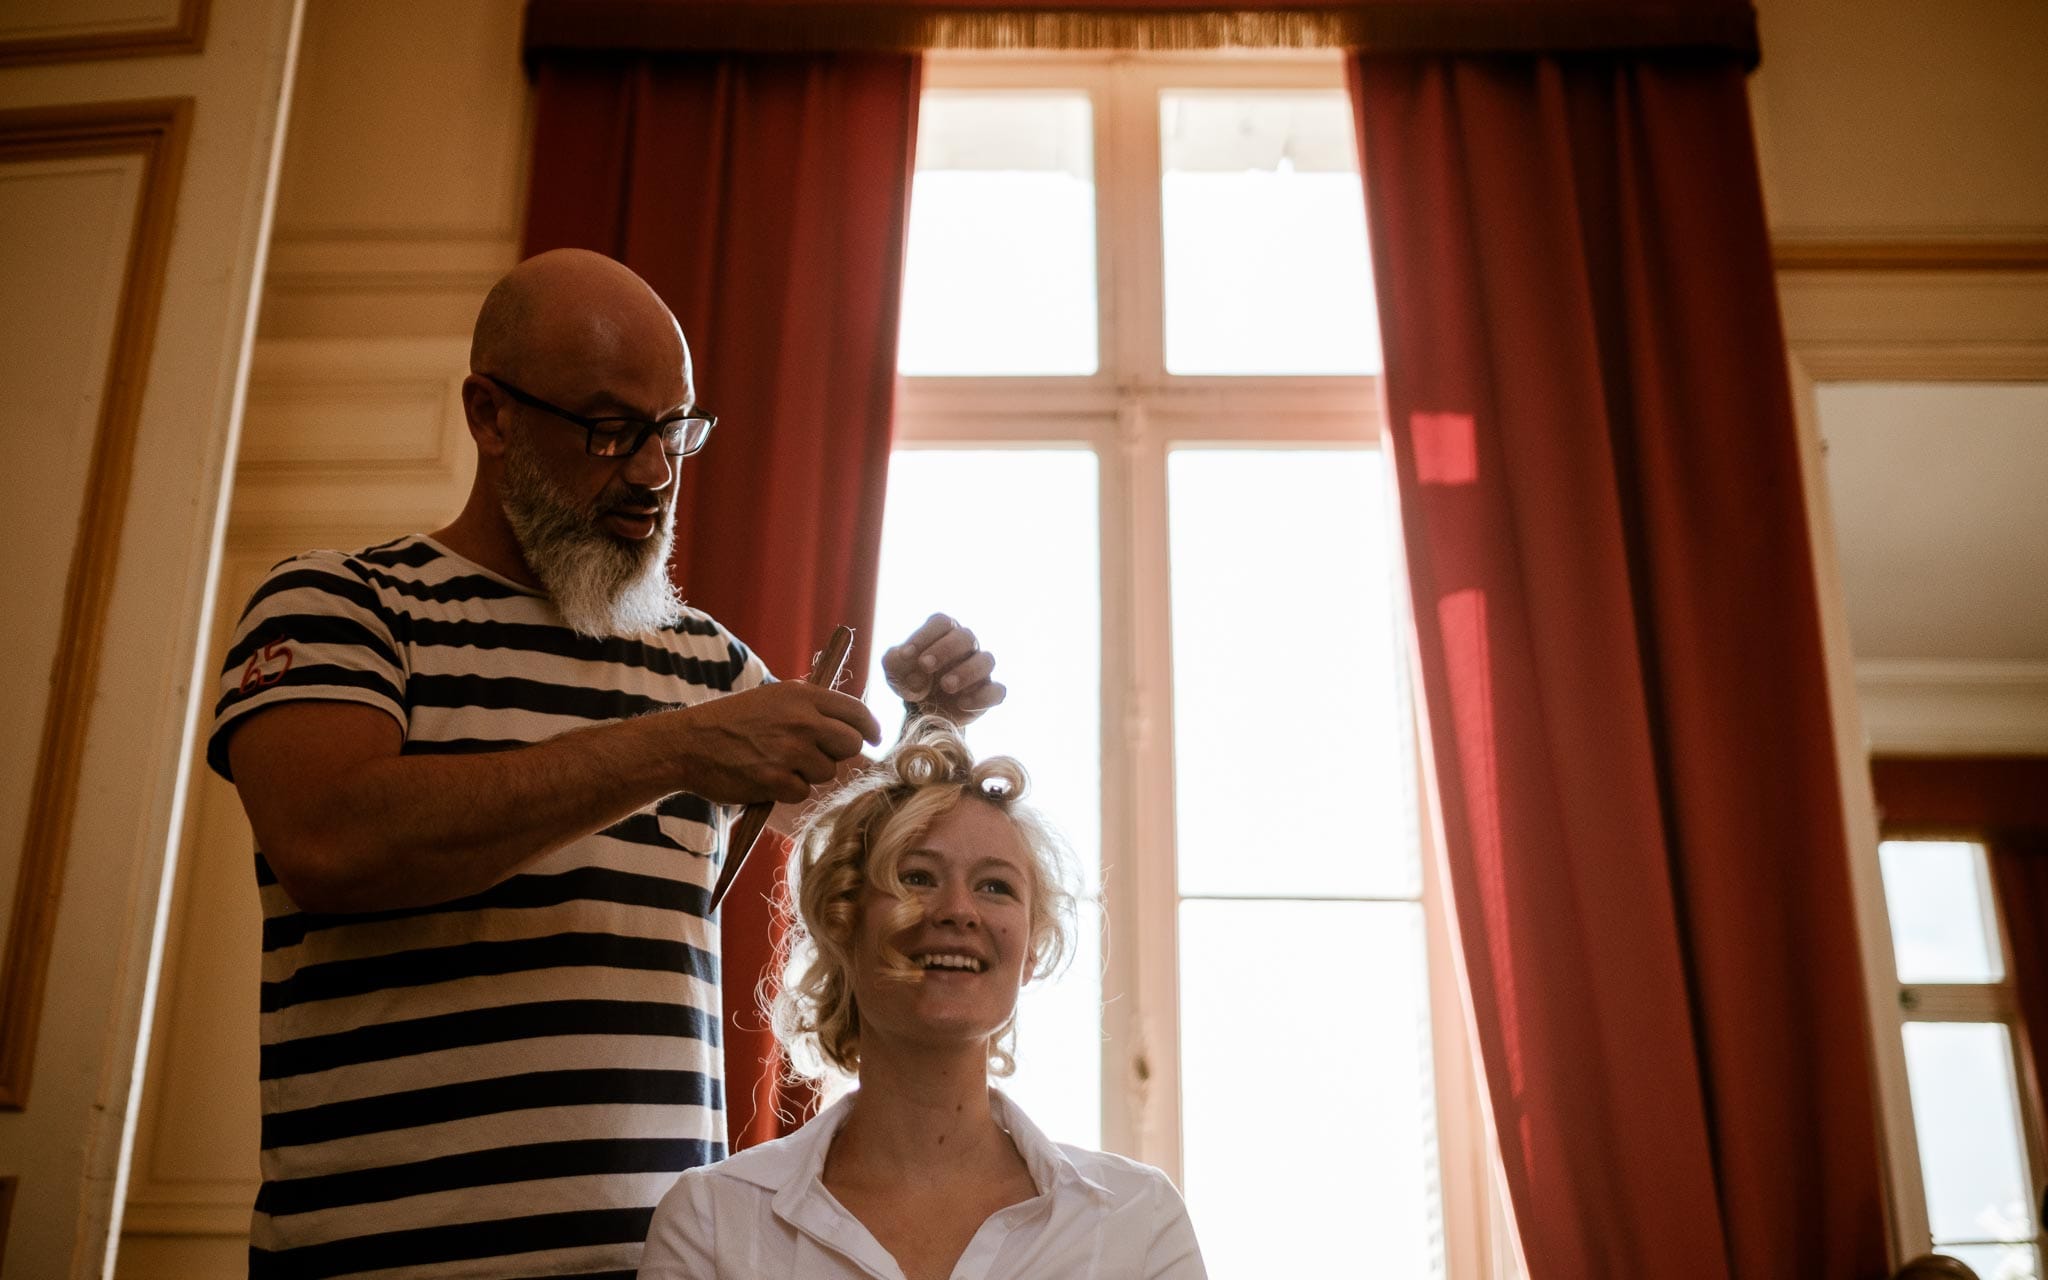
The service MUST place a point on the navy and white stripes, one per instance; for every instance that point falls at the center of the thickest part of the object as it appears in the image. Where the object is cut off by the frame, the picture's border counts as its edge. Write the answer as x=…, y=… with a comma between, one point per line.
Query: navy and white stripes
x=506, y=1084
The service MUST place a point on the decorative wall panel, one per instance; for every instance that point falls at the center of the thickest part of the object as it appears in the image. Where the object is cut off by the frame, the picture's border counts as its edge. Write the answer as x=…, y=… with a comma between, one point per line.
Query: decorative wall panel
x=86, y=200
x=65, y=30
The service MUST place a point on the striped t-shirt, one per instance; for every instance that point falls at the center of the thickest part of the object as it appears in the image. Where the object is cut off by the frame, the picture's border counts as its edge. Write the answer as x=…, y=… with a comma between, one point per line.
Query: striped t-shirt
x=502, y=1085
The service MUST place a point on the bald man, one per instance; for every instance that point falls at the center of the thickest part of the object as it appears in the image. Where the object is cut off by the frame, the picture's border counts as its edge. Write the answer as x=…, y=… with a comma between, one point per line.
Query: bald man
x=487, y=769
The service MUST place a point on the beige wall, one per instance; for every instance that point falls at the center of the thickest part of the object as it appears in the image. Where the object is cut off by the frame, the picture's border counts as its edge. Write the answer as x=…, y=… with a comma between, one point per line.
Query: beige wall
x=139, y=495
x=1892, y=120
x=1881, y=121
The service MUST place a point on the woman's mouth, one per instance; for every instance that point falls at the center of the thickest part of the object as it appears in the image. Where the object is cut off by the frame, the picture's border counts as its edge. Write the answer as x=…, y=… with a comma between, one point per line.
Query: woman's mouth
x=948, y=961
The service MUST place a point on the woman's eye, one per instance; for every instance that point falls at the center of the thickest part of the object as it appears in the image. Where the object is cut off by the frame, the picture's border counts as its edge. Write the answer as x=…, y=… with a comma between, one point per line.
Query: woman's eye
x=917, y=879
x=997, y=886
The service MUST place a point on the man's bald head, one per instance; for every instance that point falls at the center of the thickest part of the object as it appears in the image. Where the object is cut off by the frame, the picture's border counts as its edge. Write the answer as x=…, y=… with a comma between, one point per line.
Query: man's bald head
x=566, y=337
x=569, y=317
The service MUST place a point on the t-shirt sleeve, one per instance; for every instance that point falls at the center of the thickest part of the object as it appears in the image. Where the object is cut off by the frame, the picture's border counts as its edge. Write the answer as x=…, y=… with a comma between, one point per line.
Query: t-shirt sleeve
x=315, y=631
x=749, y=671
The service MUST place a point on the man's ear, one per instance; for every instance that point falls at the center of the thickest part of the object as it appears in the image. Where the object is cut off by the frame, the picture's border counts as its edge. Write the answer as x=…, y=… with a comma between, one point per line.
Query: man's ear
x=482, y=409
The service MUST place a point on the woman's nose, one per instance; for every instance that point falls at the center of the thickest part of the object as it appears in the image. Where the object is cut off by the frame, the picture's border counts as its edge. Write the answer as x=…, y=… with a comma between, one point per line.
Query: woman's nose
x=955, y=905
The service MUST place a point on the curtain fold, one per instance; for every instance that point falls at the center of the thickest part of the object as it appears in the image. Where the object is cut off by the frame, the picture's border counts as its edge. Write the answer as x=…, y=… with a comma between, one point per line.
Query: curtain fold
x=1620, y=655
x=2019, y=870
x=765, y=197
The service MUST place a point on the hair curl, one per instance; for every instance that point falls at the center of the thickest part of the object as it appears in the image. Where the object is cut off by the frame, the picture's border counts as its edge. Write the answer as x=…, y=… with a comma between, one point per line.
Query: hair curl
x=858, y=837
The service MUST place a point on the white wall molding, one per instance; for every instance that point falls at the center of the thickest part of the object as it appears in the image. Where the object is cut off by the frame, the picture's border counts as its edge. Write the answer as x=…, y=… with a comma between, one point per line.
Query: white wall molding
x=365, y=283
x=225, y=1213
x=1924, y=361
x=1959, y=708
x=337, y=427
x=184, y=1257
x=415, y=261
x=1884, y=317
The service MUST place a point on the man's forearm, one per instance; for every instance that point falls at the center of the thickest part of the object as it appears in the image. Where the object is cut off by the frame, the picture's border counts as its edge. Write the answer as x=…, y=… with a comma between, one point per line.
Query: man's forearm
x=351, y=823
x=407, y=831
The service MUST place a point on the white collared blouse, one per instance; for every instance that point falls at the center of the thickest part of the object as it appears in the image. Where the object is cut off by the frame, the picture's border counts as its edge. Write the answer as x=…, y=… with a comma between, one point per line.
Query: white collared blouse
x=765, y=1214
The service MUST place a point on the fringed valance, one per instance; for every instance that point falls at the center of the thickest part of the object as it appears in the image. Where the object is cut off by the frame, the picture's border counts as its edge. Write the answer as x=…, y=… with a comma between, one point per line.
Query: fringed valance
x=1386, y=26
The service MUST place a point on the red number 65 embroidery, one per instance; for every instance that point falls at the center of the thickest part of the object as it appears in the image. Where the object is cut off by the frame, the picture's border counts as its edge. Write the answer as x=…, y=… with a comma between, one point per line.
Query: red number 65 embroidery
x=258, y=674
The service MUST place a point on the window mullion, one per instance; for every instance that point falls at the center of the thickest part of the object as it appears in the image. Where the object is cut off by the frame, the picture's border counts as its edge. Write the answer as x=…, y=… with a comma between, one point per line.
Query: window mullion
x=1153, y=883
x=1962, y=1002
x=1123, y=1092
x=1129, y=183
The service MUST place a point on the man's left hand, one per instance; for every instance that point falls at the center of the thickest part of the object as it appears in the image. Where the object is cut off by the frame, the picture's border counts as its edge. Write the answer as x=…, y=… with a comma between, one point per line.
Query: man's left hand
x=941, y=670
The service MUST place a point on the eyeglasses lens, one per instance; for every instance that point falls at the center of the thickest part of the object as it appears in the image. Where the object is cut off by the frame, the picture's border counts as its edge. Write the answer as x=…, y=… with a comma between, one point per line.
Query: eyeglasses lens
x=679, y=439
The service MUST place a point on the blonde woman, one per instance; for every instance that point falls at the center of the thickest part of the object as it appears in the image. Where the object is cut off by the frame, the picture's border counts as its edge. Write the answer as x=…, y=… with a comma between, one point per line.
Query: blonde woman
x=927, y=893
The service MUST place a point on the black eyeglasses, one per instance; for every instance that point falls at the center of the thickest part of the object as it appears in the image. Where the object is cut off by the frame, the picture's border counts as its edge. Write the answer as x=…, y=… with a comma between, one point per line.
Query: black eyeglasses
x=681, y=435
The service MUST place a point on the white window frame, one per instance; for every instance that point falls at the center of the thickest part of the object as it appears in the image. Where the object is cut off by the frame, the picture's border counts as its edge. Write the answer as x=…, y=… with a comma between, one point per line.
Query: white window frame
x=1130, y=412
x=1969, y=1002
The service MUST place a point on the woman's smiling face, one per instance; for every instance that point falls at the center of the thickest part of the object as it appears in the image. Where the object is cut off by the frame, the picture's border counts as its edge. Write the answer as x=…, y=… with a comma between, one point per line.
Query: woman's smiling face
x=970, y=877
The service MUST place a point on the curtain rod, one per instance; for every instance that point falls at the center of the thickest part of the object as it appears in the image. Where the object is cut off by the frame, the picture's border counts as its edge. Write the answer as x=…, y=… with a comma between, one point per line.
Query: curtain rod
x=1389, y=26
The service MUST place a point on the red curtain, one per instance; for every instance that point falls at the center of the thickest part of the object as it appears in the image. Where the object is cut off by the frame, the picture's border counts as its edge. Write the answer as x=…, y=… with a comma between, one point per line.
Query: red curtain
x=2003, y=801
x=2019, y=869
x=1620, y=654
x=765, y=197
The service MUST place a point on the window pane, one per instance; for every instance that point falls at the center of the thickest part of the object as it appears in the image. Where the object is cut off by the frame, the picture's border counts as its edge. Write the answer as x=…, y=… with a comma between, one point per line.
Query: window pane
x=1281, y=1000
x=1939, y=900
x=1020, y=565
x=1000, y=272
x=1997, y=1261
x=1966, y=1115
x=1292, y=754
x=1264, y=223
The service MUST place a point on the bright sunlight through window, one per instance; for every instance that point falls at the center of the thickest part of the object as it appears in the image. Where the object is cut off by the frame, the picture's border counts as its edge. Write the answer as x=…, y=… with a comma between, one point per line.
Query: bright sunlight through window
x=1005, y=541
x=1185, y=567
x=1963, y=1070
x=1300, y=922
x=1266, y=264
x=1000, y=273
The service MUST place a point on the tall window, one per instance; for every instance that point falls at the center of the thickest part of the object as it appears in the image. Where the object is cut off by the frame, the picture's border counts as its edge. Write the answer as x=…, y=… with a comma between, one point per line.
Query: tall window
x=1138, y=453
x=1960, y=1023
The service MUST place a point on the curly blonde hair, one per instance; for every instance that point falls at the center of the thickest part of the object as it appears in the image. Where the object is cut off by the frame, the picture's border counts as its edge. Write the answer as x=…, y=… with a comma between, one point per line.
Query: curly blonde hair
x=858, y=837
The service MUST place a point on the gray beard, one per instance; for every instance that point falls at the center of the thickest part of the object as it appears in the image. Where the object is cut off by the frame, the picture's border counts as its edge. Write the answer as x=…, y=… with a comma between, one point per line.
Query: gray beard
x=601, y=585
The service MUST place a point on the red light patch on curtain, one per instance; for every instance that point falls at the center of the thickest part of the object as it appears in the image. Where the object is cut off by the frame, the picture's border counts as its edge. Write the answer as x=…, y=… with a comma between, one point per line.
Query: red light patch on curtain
x=1446, y=447
x=1462, y=615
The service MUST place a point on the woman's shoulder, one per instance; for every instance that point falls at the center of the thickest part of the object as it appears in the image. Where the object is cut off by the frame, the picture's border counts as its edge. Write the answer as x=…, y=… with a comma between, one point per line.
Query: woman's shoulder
x=1121, y=1176
x=1126, y=1180
x=739, y=1184
x=707, y=1218
x=768, y=1164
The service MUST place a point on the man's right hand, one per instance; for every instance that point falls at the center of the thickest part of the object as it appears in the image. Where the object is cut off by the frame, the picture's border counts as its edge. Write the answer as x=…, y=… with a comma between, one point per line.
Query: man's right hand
x=771, y=743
